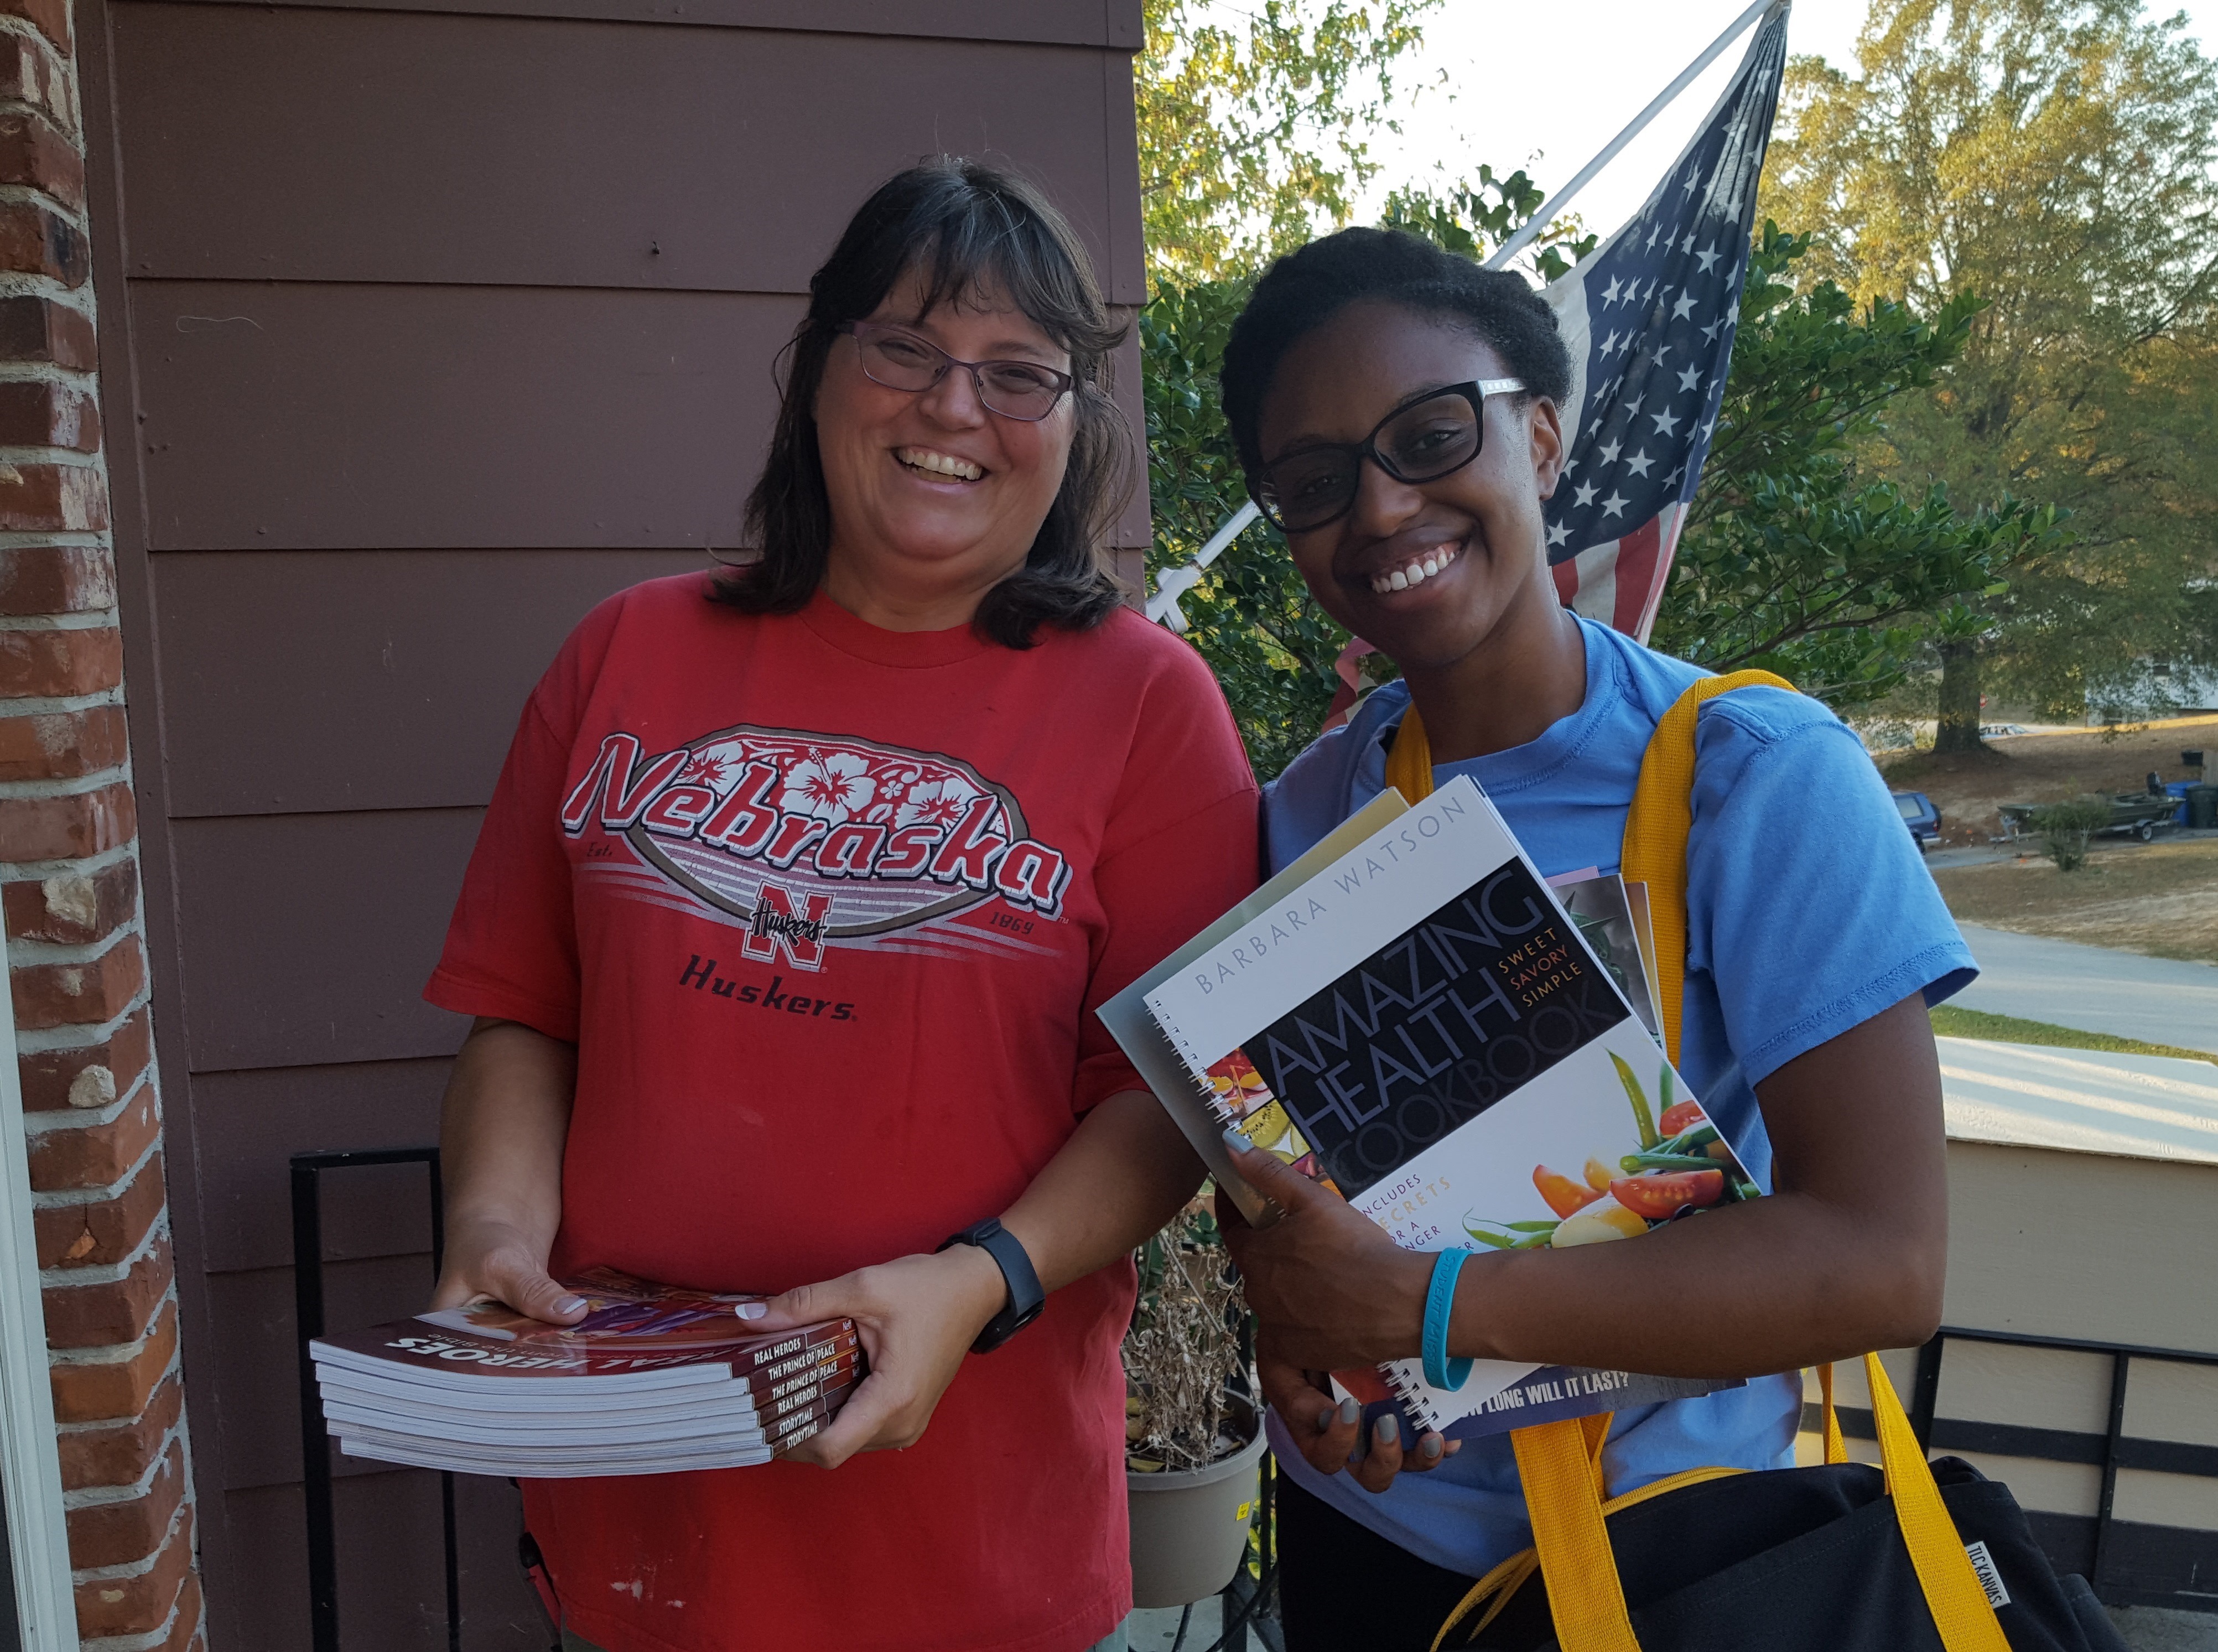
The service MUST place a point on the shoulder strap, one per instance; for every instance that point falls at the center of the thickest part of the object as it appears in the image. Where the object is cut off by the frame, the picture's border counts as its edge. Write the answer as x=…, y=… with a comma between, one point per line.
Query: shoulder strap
x=1409, y=759
x=1656, y=828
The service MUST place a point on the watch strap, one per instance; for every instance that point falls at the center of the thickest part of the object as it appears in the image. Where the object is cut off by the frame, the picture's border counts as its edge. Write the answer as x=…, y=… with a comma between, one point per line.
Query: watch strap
x=1026, y=1297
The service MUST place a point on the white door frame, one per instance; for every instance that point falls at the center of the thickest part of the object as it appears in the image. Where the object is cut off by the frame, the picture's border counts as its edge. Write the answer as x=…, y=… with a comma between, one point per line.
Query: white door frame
x=30, y=1459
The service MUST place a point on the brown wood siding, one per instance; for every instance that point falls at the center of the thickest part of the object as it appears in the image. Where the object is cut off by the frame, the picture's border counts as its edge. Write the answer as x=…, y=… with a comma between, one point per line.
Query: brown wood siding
x=442, y=149
x=303, y=416
x=1046, y=22
x=321, y=680
x=436, y=323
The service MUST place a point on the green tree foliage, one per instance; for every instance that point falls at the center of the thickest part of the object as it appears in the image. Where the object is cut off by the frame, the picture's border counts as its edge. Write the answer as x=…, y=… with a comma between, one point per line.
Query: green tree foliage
x=1252, y=123
x=1252, y=619
x=1475, y=220
x=1793, y=559
x=2054, y=157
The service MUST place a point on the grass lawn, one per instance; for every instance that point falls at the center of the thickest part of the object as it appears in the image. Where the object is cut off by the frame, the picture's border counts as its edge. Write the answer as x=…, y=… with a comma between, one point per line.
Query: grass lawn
x=1948, y=1022
x=2160, y=897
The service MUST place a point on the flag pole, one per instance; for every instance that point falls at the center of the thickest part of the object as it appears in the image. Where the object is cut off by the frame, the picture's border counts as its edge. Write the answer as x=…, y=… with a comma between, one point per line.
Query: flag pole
x=1162, y=607
x=1556, y=203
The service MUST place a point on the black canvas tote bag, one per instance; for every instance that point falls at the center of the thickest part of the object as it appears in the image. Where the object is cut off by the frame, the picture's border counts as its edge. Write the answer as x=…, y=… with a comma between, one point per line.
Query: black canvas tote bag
x=1798, y=1558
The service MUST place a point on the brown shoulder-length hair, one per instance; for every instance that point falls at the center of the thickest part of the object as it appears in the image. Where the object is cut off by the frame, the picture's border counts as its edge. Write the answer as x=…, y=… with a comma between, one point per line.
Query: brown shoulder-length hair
x=963, y=227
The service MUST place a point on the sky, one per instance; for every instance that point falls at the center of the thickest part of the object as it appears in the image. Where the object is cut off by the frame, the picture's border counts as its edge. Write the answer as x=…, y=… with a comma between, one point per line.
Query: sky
x=1582, y=69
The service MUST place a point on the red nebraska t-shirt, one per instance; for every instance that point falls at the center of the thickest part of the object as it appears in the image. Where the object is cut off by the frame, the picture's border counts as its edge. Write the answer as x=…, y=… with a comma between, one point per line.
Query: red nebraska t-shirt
x=827, y=911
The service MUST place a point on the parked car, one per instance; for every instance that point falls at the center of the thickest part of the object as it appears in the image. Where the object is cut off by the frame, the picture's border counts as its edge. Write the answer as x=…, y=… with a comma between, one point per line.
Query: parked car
x=1920, y=816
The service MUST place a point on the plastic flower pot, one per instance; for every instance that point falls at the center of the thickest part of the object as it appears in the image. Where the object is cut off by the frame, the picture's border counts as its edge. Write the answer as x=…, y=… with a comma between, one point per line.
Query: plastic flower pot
x=1190, y=1525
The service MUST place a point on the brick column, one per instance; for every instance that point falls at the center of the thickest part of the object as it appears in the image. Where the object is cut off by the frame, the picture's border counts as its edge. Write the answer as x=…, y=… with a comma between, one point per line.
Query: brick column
x=69, y=889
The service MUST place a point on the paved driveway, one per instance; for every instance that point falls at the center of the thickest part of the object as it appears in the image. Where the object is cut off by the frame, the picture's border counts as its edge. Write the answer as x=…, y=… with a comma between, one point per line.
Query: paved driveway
x=2094, y=989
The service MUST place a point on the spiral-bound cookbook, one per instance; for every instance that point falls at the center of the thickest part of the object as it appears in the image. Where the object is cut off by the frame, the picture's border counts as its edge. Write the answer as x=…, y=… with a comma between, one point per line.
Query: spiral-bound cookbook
x=1410, y=1016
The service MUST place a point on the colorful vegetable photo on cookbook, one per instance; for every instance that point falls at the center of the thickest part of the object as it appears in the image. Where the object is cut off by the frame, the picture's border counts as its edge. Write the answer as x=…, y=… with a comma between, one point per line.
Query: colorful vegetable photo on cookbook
x=1419, y=1024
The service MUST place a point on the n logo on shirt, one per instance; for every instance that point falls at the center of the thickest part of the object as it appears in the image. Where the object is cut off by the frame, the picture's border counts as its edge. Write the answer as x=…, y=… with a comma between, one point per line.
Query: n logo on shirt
x=792, y=924
x=810, y=840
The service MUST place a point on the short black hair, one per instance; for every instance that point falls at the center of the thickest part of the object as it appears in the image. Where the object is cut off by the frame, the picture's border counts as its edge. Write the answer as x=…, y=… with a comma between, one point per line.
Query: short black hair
x=962, y=226
x=1307, y=288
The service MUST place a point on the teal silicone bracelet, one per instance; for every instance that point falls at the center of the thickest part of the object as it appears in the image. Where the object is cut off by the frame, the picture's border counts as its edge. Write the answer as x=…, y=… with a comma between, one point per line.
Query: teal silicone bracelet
x=1440, y=1371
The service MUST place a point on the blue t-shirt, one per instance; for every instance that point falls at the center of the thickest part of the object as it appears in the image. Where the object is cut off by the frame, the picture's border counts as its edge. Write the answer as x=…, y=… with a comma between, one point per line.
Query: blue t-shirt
x=1808, y=912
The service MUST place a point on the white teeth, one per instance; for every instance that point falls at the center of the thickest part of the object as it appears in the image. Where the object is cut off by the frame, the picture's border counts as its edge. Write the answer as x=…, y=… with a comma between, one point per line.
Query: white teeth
x=1416, y=574
x=940, y=464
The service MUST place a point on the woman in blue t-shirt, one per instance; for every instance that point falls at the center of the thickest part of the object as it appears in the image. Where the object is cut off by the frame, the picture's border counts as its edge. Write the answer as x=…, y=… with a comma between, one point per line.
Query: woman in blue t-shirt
x=1398, y=411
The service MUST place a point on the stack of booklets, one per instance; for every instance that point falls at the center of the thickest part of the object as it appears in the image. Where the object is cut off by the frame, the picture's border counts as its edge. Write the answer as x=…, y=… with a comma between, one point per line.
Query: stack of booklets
x=652, y=1380
x=1413, y=1018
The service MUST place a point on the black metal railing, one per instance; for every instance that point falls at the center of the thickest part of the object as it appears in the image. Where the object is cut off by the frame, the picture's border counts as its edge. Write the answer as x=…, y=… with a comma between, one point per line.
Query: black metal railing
x=315, y=1438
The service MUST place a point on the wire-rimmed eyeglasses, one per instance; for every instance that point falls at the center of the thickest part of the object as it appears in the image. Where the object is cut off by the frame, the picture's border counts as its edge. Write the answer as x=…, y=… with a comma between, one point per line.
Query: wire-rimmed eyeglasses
x=1421, y=440
x=902, y=361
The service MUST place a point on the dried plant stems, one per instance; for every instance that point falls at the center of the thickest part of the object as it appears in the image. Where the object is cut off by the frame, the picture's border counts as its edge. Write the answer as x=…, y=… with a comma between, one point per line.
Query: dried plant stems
x=1184, y=1347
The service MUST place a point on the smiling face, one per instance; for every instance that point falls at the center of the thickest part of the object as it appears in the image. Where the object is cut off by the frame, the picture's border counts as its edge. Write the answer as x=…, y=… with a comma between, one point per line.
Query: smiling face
x=934, y=498
x=1426, y=572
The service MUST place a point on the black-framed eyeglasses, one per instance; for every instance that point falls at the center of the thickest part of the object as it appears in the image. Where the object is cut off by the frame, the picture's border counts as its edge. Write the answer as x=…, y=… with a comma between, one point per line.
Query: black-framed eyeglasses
x=1421, y=440
x=902, y=361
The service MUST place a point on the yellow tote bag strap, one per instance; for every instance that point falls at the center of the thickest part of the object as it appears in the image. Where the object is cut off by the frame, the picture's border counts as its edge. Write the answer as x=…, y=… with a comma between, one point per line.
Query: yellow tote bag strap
x=1564, y=1504
x=1410, y=762
x=1656, y=830
x=1954, y=1593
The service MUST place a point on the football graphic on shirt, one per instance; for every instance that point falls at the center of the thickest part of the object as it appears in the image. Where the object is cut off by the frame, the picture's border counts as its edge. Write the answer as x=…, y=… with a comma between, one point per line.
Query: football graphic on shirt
x=808, y=839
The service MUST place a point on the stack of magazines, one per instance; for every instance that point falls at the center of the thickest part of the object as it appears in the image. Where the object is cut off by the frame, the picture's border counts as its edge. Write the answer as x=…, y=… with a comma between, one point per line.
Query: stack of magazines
x=652, y=1380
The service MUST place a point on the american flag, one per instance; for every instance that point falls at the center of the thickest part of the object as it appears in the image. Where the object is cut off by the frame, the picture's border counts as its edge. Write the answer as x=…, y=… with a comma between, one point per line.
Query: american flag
x=1649, y=316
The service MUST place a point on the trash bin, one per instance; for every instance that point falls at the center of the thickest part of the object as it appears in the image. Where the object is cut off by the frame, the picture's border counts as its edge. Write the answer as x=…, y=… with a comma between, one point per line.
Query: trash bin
x=2179, y=788
x=2202, y=807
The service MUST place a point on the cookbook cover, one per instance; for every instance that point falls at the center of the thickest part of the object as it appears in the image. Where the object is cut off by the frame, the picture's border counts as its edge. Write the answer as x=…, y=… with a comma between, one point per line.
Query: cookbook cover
x=1421, y=1026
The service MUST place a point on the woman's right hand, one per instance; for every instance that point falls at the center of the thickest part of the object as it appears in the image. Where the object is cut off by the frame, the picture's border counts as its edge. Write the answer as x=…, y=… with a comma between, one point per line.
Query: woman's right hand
x=1326, y=1431
x=494, y=1261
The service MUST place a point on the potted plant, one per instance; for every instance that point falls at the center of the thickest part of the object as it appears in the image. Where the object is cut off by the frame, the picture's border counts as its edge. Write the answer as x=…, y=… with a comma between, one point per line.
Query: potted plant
x=1193, y=1429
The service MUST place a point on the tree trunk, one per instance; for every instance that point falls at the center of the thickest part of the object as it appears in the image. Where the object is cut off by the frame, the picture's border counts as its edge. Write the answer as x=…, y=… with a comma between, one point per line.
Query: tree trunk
x=1958, y=727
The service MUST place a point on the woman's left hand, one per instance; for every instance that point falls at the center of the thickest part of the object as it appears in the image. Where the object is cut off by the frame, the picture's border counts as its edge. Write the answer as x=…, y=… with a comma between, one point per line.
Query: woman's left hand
x=916, y=1317
x=1331, y=1289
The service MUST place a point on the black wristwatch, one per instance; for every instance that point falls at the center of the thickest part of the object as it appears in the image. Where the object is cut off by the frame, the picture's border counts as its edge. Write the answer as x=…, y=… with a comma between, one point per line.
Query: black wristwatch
x=1026, y=1296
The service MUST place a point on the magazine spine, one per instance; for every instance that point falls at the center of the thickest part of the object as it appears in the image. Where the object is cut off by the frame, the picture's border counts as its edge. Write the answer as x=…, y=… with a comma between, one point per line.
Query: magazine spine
x=1408, y=1386
x=785, y=1347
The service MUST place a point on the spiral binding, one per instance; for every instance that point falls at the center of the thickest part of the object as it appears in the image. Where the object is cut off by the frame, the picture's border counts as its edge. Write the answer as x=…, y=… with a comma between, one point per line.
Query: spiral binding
x=1408, y=1382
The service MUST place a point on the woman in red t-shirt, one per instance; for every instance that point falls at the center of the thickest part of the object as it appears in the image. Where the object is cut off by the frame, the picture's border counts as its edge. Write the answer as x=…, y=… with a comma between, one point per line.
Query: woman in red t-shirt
x=784, y=934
